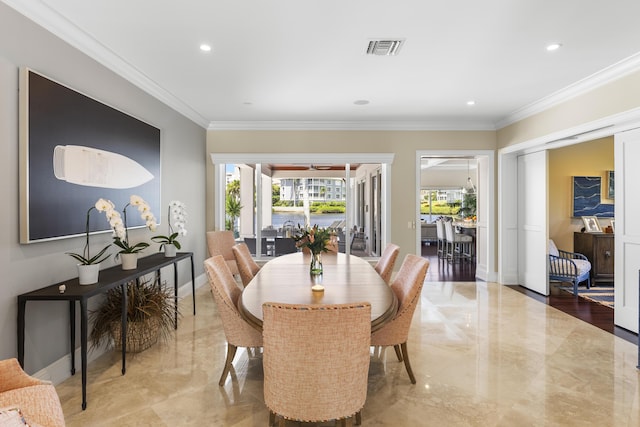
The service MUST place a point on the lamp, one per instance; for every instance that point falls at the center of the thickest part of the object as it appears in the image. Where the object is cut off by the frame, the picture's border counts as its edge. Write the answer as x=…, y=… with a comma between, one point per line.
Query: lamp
x=469, y=187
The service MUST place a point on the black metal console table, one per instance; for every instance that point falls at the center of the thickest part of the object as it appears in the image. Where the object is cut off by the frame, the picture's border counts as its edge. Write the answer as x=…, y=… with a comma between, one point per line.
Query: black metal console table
x=109, y=278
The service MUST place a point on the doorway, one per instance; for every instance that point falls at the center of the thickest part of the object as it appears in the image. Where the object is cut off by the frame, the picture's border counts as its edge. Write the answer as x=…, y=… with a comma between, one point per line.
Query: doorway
x=458, y=166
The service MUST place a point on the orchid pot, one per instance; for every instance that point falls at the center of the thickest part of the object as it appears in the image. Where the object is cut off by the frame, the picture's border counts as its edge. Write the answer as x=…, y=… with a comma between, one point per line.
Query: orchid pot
x=88, y=273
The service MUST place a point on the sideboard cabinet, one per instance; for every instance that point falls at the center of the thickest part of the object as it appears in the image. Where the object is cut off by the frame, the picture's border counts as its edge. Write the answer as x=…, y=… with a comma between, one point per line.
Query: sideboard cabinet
x=599, y=249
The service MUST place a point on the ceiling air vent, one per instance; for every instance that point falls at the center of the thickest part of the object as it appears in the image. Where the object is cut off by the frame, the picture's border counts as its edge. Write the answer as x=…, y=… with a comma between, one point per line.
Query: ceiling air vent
x=384, y=47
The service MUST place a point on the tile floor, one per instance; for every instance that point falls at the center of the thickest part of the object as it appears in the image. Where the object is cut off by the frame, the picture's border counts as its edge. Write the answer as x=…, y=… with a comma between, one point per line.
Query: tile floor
x=483, y=355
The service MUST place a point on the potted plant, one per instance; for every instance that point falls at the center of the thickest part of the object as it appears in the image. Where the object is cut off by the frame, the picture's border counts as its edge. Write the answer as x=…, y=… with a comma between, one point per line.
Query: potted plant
x=178, y=212
x=150, y=316
x=129, y=253
x=89, y=266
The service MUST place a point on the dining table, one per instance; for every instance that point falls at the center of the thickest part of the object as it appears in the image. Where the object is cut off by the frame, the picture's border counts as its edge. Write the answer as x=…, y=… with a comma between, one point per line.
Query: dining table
x=345, y=278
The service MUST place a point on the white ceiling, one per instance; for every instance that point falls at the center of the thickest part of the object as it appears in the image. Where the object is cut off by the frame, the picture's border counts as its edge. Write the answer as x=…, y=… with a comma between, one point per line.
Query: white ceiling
x=292, y=63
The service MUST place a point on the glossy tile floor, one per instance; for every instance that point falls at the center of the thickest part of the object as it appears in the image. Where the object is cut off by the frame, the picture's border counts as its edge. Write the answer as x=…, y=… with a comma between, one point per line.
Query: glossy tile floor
x=483, y=355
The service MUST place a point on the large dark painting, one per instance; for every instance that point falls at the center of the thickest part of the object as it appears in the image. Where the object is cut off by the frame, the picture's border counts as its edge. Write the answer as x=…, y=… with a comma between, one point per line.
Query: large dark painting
x=587, y=198
x=75, y=150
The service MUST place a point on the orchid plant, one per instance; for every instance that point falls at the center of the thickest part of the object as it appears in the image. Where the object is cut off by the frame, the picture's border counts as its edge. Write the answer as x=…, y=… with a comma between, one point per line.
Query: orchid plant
x=121, y=233
x=178, y=212
x=85, y=258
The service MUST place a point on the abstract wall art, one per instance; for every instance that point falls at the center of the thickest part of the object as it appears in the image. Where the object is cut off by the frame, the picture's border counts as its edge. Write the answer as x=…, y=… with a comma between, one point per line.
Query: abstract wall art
x=587, y=198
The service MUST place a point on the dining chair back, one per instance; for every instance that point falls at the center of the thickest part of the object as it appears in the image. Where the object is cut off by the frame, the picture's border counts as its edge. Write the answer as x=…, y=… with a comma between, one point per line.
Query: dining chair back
x=220, y=243
x=316, y=360
x=246, y=265
x=407, y=286
x=385, y=264
x=225, y=292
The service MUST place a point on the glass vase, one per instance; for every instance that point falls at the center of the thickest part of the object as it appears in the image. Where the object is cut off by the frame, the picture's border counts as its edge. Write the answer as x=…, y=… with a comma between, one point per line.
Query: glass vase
x=316, y=264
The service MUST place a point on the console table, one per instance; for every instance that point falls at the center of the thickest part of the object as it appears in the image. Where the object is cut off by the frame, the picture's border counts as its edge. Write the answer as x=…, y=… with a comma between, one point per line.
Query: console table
x=109, y=278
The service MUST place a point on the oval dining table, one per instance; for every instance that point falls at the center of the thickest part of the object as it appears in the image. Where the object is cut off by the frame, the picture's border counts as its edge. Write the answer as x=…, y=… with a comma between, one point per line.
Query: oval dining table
x=346, y=279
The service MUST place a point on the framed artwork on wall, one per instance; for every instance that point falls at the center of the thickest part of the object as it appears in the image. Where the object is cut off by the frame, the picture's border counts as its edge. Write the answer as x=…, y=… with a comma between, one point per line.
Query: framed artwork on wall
x=75, y=150
x=587, y=198
x=611, y=184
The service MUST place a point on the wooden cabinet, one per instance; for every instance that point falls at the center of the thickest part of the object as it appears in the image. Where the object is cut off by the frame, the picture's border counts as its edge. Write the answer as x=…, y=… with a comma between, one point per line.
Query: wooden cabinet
x=599, y=249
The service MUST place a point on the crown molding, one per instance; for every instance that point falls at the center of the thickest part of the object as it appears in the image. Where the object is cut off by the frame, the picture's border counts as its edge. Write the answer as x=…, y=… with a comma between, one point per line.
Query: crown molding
x=600, y=78
x=363, y=125
x=52, y=21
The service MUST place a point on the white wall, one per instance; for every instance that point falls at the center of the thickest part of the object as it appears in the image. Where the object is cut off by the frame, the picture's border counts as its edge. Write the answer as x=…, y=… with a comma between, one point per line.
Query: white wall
x=28, y=267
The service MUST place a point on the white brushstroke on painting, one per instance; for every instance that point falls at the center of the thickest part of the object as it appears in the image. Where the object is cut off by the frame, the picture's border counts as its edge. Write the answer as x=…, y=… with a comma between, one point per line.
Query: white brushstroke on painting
x=91, y=167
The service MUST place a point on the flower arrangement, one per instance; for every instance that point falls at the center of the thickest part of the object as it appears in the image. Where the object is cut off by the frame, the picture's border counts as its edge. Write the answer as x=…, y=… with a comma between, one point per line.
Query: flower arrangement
x=178, y=212
x=315, y=238
x=85, y=258
x=121, y=233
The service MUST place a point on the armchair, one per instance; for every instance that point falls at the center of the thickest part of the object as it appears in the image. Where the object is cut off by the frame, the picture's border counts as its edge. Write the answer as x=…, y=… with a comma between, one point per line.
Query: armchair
x=569, y=267
x=37, y=399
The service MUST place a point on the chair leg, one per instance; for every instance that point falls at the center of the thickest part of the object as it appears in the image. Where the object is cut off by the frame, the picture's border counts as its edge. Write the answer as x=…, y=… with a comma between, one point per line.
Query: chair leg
x=398, y=352
x=358, y=418
x=272, y=418
x=575, y=286
x=231, y=352
x=407, y=365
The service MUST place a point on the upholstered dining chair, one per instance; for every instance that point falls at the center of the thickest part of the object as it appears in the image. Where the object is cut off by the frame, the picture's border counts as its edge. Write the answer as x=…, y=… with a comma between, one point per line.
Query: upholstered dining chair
x=220, y=243
x=246, y=265
x=406, y=286
x=225, y=292
x=387, y=260
x=316, y=361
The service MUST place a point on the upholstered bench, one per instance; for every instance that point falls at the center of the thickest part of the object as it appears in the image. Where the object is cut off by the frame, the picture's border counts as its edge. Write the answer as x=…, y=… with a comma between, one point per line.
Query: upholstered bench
x=24, y=396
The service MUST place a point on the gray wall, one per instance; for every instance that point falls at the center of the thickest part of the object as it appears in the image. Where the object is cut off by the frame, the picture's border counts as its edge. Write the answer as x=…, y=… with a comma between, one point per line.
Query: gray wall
x=28, y=267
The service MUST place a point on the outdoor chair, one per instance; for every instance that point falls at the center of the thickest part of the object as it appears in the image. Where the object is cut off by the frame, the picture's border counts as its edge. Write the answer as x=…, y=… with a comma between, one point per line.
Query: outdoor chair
x=570, y=267
x=285, y=245
x=225, y=292
x=316, y=361
x=407, y=286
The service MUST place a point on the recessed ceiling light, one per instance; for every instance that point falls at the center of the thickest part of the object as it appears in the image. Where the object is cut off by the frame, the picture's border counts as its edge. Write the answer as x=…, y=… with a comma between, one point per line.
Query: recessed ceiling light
x=553, y=46
x=205, y=48
x=361, y=102
x=471, y=102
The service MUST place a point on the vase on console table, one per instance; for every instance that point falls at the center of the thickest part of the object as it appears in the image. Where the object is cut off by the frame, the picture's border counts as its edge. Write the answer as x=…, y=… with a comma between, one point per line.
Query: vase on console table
x=129, y=261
